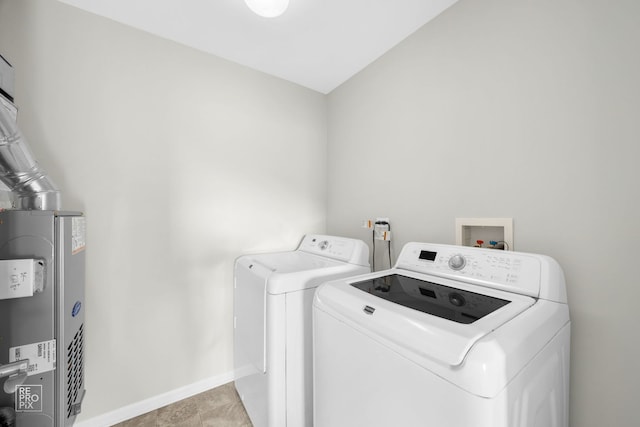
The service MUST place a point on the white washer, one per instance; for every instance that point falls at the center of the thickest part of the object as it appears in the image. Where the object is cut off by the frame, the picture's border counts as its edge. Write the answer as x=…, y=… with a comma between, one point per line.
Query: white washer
x=451, y=336
x=272, y=324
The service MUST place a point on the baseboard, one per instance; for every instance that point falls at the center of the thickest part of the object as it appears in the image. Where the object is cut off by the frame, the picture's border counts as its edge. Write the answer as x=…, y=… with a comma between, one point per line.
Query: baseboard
x=153, y=403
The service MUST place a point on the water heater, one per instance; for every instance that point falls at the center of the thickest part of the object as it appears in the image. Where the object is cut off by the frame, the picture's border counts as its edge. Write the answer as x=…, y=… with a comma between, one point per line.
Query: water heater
x=42, y=312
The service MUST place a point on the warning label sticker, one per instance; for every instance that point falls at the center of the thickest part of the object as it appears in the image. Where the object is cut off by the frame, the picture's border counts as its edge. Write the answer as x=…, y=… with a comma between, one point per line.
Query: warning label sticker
x=78, y=234
x=41, y=355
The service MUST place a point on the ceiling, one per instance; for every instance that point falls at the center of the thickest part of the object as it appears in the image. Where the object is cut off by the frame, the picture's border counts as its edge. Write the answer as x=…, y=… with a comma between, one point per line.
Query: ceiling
x=318, y=44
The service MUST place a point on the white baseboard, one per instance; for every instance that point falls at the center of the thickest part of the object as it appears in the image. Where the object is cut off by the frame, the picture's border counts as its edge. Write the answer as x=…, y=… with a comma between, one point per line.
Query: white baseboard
x=153, y=403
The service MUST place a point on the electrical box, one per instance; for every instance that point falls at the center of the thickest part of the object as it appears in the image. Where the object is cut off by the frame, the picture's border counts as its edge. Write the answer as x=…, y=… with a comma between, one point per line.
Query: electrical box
x=496, y=233
x=21, y=278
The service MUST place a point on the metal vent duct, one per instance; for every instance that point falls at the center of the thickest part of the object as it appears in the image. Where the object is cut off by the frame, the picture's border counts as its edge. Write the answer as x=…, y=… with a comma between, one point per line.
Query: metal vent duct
x=19, y=171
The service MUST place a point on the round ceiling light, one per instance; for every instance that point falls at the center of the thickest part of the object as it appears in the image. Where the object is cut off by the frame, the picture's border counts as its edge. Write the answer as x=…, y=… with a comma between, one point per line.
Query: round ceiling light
x=268, y=8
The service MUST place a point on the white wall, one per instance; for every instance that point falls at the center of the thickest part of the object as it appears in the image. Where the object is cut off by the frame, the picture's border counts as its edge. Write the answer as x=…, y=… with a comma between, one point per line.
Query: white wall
x=181, y=162
x=522, y=109
x=498, y=108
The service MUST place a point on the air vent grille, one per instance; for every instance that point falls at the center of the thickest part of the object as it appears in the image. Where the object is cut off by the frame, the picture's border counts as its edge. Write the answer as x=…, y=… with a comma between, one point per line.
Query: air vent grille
x=75, y=371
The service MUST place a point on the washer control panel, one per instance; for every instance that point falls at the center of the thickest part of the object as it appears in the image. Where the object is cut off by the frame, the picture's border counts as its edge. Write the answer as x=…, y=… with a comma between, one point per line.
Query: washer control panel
x=512, y=271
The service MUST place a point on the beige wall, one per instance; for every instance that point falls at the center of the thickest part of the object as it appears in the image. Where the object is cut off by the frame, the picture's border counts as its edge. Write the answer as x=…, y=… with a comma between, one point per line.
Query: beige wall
x=522, y=109
x=181, y=162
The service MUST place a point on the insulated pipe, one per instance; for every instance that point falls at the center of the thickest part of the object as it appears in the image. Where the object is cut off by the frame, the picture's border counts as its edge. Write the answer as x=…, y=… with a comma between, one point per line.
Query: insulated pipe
x=19, y=171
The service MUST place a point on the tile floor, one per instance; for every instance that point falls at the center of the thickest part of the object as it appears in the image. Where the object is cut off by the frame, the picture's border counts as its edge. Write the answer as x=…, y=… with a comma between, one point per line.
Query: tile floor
x=218, y=407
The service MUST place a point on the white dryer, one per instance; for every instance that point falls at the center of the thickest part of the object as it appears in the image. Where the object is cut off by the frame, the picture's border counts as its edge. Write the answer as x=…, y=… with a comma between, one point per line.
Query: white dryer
x=451, y=337
x=273, y=298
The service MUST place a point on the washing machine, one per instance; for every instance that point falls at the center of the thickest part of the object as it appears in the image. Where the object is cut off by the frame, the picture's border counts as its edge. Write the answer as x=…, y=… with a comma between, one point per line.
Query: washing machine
x=273, y=298
x=451, y=336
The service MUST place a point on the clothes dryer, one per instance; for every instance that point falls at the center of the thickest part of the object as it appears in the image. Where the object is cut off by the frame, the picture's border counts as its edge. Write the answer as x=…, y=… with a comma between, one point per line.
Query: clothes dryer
x=273, y=298
x=451, y=336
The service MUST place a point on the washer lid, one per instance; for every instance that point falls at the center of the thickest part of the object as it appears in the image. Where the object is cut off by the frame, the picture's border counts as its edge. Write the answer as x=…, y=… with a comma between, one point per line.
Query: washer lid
x=445, y=335
x=433, y=298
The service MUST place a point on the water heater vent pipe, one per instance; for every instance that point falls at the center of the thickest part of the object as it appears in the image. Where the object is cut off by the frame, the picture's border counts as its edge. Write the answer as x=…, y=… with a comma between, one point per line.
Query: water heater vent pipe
x=19, y=171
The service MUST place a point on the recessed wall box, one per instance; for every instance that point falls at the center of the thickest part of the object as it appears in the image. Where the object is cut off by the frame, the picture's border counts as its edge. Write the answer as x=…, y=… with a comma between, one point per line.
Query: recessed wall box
x=493, y=232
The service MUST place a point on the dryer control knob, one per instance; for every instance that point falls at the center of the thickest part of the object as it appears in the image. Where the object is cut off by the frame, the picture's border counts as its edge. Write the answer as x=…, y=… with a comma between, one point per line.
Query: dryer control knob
x=457, y=262
x=323, y=245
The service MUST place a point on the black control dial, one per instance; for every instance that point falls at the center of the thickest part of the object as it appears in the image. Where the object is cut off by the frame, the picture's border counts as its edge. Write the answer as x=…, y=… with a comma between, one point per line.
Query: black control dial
x=456, y=299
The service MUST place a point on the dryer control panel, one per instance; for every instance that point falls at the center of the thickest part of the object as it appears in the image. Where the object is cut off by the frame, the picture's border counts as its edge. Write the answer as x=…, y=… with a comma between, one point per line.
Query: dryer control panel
x=522, y=273
x=344, y=249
